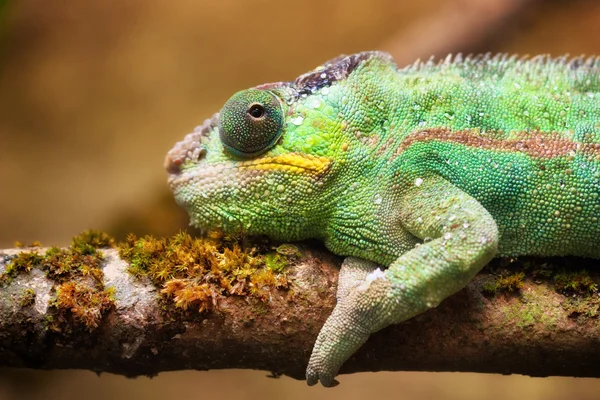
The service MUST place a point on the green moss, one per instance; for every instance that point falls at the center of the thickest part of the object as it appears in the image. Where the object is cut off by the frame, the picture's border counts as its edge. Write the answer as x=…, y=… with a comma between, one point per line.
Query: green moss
x=50, y=323
x=88, y=241
x=575, y=282
x=276, y=262
x=288, y=250
x=23, y=262
x=27, y=297
x=196, y=272
x=65, y=264
x=582, y=308
x=504, y=283
x=80, y=300
x=60, y=264
x=527, y=311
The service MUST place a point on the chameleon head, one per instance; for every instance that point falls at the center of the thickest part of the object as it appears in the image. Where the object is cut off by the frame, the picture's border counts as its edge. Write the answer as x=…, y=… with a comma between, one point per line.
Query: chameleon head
x=279, y=156
x=247, y=170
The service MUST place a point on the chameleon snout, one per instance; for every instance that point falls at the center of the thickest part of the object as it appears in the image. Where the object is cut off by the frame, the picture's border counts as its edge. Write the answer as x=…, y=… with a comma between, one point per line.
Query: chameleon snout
x=181, y=153
x=191, y=148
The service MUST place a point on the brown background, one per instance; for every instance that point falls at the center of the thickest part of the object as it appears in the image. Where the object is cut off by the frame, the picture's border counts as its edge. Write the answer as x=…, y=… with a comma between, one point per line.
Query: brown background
x=93, y=94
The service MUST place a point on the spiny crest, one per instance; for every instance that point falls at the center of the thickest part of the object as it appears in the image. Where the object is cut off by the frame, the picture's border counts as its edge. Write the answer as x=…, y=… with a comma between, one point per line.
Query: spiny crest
x=341, y=67
x=502, y=61
x=335, y=70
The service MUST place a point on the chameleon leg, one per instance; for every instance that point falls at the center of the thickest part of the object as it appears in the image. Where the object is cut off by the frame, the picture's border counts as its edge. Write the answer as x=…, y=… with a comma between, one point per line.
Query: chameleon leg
x=460, y=237
x=353, y=272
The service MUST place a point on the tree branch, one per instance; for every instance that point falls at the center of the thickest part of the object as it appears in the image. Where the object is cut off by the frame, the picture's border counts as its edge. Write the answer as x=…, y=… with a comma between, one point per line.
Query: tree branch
x=534, y=331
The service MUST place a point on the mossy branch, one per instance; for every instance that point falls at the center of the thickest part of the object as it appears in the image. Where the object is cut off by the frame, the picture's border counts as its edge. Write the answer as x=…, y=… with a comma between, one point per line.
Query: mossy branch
x=91, y=309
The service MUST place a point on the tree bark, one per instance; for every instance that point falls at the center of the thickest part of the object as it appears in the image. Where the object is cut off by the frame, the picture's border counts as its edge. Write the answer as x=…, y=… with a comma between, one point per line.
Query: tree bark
x=534, y=330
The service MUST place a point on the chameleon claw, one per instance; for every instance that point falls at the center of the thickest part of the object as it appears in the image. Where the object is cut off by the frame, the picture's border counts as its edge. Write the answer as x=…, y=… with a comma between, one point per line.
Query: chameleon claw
x=326, y=379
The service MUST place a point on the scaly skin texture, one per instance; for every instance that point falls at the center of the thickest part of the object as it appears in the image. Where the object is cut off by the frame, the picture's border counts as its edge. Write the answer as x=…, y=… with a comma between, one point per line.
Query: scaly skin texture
x=419, y=175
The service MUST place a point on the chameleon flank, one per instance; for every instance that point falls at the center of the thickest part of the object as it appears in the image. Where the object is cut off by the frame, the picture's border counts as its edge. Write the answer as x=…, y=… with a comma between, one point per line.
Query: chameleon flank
x=419, y=175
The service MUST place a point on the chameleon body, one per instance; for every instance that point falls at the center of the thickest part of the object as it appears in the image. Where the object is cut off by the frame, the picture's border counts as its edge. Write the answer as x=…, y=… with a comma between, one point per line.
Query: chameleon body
x=419, y=175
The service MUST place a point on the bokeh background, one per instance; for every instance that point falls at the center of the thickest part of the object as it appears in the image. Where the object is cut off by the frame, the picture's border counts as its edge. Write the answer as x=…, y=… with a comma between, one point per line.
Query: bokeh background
x=93, y=93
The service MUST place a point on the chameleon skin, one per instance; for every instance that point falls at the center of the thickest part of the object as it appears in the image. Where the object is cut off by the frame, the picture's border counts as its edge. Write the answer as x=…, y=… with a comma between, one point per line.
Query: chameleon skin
x=419, y=175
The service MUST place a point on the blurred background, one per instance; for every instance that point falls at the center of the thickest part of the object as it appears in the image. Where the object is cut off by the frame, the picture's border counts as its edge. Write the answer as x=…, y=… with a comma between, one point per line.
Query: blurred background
x=94, y=93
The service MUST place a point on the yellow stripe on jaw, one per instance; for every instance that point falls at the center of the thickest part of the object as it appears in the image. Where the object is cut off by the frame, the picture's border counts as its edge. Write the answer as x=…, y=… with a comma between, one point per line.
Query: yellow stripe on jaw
x=289, y=162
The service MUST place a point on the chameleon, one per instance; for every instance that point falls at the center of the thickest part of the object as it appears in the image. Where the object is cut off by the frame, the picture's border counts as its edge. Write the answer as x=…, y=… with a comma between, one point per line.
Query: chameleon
x=418, y=175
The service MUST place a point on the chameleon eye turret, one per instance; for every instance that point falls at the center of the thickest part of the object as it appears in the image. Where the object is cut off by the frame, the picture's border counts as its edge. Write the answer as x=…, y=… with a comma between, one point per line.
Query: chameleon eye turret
x=251, y=122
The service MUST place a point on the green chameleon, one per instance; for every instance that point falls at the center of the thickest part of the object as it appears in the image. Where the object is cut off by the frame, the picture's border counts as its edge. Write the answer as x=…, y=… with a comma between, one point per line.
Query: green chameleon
x=420, y=175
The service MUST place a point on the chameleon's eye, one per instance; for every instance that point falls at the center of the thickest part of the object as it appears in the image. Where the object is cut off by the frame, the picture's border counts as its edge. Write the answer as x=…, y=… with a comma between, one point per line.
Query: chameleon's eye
x=251, y=122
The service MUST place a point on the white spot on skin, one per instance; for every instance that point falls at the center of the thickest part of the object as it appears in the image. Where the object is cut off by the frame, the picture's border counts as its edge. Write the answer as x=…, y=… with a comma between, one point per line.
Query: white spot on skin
x=418, y=182
x=373, y=276
x=314, y=103
x=377, y=274
x=377, y=199
x=298, y=120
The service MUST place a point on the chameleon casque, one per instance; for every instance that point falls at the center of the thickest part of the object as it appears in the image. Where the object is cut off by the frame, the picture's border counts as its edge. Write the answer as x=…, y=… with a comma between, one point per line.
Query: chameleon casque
x=419, y=175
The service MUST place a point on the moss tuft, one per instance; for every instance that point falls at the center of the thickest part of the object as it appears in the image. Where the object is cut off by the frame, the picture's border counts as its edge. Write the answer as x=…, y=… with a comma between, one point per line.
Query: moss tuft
x=196, y=272
x=65, y=264
x=577, y=282
x=288, y=250
x=504, y=283
x=80, y=304
x=27, y=297
x=88, y=241
x=582, y=308
x=81, y=299
x=276, y=262
x=23, y=262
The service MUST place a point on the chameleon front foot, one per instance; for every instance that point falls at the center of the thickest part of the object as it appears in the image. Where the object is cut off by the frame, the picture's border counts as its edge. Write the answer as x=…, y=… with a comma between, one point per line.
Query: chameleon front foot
x=338, y=340
x=343, y=332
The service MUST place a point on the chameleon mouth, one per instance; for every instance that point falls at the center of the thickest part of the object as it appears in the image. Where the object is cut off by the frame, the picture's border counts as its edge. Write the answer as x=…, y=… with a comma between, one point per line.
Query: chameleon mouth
x=204, y=188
